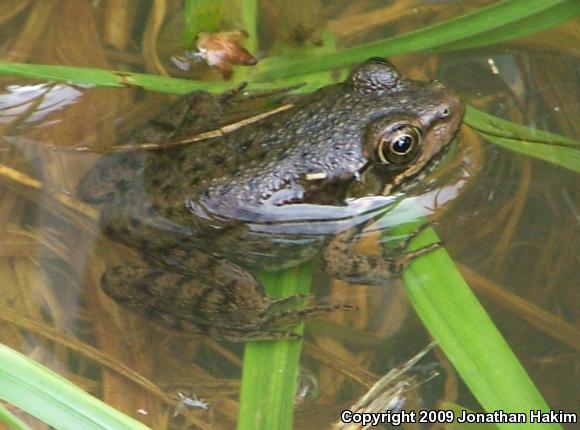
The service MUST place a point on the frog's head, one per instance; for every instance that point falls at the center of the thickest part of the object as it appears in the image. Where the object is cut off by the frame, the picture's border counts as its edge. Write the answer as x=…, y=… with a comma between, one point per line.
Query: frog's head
x=411, y=125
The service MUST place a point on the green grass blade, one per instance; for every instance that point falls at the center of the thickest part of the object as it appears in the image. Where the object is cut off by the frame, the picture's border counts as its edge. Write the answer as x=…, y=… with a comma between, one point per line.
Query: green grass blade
x=465, y=332
x=110, y=78
x=201, y=15
x=493, y=125
x=539, y=144
x=503, y=20
x=550, y=17
x=249, y=16
x=271, y=368
x=52, y=399
x=11, y=421
x=562, y=156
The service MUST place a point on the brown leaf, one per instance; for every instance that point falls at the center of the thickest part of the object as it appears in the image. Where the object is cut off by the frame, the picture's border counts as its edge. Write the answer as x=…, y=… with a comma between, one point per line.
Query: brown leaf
x=224, y=49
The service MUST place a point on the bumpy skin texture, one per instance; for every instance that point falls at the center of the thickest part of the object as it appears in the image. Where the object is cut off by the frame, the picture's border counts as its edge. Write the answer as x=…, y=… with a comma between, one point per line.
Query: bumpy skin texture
x=189, y=209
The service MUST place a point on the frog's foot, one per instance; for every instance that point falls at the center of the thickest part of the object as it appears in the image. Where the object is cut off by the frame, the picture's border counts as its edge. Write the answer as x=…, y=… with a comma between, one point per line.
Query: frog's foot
x=406, y=257
x=296, y=312
x=237, y=309
x=275, y=325
x=343, y=263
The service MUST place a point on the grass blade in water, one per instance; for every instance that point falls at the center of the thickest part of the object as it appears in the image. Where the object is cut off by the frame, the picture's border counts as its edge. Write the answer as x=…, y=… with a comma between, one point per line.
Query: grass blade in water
x=11, y=421
x=201, y=15
x=110, y=78
x=465, y=332
x=52, y=399
x=540, y=144
x=505, y=20
x=271, y=368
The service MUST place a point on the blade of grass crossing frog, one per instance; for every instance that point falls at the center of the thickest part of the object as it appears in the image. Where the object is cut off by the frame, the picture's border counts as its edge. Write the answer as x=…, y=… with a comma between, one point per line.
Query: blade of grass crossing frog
x=52, y=399
x=270, y=368
x=11, y=421
x=519, y=16
x=201, y=15
x=467, y=335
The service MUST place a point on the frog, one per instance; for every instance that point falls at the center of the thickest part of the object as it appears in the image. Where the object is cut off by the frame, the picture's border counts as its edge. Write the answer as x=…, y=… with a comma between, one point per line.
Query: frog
x=208, y=215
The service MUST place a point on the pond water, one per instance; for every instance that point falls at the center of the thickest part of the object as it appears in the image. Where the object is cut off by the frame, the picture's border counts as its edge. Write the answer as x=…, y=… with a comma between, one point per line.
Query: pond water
x=510, y=222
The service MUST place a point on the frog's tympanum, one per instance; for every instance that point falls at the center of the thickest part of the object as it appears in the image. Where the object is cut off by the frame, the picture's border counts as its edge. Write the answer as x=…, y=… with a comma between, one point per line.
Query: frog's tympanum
x=206, y=216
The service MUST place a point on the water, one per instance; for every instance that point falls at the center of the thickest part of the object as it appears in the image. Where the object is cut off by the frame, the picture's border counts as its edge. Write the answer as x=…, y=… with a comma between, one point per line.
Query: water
x=510, y=222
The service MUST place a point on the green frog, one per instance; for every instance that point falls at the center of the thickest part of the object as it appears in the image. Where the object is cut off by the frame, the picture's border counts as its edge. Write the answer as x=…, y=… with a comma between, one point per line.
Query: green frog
x=207, y=216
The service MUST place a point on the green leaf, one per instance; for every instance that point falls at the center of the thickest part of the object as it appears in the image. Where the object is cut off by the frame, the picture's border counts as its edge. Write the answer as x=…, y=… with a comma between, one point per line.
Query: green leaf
x=539, y=144
x=12, y=421
x=52, y=399
x=464, y=331
x=270, y=368
x=562, y=156
x=493, y=125
x=549, y=14
x=109, y=78
x=500, y=21
x=249, y=15
x=201, y=15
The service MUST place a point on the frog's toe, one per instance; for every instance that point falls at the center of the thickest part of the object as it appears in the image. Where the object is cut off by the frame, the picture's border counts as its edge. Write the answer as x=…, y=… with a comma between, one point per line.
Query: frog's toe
x=291, y=316
x=409, y=256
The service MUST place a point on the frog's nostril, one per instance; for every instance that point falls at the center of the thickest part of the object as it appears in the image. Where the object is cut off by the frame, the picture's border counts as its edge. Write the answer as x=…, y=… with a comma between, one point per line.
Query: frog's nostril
x=445, y=112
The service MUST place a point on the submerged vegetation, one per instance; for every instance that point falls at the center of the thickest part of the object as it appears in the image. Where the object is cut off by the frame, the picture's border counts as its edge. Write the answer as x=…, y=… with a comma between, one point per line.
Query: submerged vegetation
x=436, y=285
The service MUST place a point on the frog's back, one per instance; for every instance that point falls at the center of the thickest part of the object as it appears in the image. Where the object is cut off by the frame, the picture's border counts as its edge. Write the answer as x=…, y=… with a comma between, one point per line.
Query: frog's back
x=114, y=174
x=110, y=176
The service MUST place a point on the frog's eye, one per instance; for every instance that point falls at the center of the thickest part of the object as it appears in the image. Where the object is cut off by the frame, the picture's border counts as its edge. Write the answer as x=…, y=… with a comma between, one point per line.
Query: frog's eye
x=445, y=112
x=396, y=146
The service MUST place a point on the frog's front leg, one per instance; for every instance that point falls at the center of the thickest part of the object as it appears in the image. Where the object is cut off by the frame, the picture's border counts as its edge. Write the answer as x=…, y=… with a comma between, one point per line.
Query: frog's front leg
x=342, y=262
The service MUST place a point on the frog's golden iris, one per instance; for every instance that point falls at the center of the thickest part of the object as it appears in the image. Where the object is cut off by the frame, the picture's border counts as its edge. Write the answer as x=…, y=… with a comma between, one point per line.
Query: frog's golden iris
x=400, y=144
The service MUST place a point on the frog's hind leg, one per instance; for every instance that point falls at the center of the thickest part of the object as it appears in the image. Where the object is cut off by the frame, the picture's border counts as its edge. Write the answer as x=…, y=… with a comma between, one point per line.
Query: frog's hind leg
x=181, y=301
x=236, y=309
x=342, y=262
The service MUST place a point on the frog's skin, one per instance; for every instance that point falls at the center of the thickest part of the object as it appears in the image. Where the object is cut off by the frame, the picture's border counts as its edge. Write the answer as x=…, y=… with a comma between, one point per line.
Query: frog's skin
x=192, y=210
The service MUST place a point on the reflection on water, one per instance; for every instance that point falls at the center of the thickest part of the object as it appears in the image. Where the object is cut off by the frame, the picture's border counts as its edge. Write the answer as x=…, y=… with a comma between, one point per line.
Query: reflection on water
x=37, y=101
x=510, y=222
